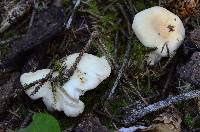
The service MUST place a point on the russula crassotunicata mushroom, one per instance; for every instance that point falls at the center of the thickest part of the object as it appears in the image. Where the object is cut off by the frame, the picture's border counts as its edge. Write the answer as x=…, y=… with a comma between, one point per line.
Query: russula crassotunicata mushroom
x=159, y=28
x=60, y=102
x=90, y=72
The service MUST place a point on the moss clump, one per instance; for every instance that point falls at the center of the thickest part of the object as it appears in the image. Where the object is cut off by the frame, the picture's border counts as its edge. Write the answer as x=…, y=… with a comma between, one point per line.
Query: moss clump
x=9, y=34
x=93, y=7
x=189, y=121
x=66, y=3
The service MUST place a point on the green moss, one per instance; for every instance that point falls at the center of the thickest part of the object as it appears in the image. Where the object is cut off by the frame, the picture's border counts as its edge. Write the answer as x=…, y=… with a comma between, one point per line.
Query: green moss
x=8, y=34
x=189, y=120
x=66, y=3
x=109, y=44
x=3, y=51
x=108, y=17
x=140, y=5
x=139, y=50
x=57, y=65
x=118, y=104
x=93, y=7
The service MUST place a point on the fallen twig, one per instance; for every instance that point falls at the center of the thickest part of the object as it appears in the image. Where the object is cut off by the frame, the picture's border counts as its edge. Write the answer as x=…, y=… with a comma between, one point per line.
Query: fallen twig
x=32, y=15
x=121, y=71
x=65, y=75
x=69, y=72
x=115, y=67
x=40, y=82
x=160, y=105
x=69, y=21
x=126, y=18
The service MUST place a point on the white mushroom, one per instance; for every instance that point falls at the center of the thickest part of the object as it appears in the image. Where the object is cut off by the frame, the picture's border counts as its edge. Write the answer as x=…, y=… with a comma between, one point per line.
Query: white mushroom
x=90, y=72
x=59, y=102
x=159, y=28
x=30, y=77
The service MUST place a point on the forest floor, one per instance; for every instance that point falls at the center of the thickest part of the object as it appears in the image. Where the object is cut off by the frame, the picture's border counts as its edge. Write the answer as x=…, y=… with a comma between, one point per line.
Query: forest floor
x=46, y=31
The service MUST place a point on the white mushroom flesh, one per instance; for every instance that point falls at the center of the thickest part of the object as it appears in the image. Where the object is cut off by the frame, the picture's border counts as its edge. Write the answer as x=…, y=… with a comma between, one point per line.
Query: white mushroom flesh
x=90, y=72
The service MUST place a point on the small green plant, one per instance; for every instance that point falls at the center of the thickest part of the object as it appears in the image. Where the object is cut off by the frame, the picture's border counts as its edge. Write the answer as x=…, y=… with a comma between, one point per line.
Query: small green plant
x=42, y=123
x=189, y=120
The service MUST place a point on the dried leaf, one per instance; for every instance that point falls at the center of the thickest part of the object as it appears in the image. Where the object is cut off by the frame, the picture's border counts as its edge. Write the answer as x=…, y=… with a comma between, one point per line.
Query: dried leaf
x=182, y=8
x=169, y=121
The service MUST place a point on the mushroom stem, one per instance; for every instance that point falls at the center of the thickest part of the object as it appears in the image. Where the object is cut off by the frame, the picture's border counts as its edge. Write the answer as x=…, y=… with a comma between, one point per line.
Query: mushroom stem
x=153, y=58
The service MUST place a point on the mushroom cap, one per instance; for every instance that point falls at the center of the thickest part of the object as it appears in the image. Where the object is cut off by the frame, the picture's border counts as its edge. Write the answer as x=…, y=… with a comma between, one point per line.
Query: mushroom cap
x=59, y=102
x=90, y=72
x=30, y=77
x=159, y=28
x=70, y=107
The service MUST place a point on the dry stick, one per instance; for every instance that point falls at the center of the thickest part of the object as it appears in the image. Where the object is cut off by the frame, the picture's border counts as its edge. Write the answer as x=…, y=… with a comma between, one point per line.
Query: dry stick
x=135, y=89
x=130, y=34
x=70, y=71
x=104, y=50
x=121, y=71
x=69, y=22
x=32, y=15
x=40, y=81
x=116, y=42
x=126, y=18
x=66, y=75
x=160, y=105
x=131, y=8
x=112, y=62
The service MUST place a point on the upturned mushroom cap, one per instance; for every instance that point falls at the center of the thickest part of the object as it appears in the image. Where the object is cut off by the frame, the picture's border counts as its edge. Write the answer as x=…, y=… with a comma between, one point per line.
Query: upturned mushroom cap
x=90, y=72
x=62, y=102
x=159, y=28
x=30, y=77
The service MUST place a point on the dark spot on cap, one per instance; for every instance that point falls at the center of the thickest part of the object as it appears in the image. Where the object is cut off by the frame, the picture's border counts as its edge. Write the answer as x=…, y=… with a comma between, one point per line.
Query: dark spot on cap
x=171, y=28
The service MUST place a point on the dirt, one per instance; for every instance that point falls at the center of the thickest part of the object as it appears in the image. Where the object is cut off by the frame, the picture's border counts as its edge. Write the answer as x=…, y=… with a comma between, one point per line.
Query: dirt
x=90, y=123
x=191, y=70
x=6, y=91
x=46, y=24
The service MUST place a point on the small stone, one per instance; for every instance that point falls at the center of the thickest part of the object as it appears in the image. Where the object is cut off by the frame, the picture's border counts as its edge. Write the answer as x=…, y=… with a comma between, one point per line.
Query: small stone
x=191, y=70
x=90, y=123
